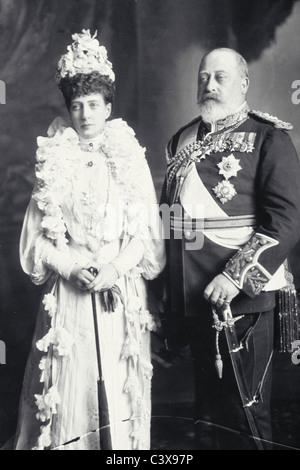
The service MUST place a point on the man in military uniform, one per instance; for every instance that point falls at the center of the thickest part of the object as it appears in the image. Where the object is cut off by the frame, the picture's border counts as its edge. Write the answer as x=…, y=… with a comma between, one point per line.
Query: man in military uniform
x=239, y=170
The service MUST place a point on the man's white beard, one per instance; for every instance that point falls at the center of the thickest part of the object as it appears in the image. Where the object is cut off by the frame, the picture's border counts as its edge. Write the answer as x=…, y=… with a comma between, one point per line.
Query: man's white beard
x=213, y=111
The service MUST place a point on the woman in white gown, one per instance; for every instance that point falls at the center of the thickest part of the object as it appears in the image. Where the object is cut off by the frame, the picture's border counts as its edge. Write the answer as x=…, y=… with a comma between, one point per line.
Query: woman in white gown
x=93, y=205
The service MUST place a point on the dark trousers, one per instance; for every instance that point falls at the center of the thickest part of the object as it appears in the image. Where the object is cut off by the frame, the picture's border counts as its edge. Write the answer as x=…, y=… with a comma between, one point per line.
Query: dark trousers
x=222, y=422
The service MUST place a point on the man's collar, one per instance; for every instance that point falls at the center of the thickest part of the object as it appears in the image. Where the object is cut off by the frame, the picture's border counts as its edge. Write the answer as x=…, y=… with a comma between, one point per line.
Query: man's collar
x=240, y=114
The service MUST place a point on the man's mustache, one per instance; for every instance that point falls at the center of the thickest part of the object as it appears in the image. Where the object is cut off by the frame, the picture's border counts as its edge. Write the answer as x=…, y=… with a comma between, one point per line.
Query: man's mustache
x=209, y=97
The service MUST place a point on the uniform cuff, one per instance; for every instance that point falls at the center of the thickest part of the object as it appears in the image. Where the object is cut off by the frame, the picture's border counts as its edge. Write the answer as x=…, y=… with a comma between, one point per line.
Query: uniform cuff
x=244, y=270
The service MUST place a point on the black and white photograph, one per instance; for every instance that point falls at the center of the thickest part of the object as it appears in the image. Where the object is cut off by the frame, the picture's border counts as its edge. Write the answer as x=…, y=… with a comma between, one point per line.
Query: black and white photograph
x=149, y=227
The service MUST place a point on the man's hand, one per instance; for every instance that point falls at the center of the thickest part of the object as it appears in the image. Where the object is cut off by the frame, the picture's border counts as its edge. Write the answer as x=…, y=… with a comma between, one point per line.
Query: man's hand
x=105, y=279
x=220, y=290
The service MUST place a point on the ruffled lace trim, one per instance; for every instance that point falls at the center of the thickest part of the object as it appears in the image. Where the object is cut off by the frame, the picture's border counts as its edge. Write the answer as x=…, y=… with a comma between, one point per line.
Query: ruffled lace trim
x=58, y=159
x=57, y=344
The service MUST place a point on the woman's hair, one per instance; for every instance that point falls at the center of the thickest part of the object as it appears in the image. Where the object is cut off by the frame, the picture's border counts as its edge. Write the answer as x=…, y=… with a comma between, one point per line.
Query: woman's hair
x=83, y=84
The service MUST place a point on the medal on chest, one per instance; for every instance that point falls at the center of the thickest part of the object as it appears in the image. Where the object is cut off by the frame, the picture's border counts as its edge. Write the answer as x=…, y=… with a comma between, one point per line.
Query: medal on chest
x=229, y=166
x=225, y=143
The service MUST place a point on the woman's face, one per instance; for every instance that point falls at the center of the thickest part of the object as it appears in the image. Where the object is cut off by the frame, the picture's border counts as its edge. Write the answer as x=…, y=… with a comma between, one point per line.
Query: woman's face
x=89, y=114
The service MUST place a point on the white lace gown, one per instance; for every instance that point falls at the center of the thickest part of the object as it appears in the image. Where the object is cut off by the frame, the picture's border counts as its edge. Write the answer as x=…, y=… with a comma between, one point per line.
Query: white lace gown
x=99, y=206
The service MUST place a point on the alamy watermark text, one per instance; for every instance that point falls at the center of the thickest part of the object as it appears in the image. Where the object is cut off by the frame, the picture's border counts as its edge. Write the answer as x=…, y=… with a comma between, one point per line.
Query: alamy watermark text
x=2, y=92
x=296, y=93
x=2, y=352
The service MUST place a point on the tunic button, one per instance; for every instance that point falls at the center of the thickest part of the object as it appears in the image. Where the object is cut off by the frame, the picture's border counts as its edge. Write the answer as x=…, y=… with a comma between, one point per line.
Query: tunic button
x=187, y=234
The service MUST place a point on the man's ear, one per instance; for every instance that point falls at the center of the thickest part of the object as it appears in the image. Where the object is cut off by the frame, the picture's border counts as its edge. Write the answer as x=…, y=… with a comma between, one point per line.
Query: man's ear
x=245, y=84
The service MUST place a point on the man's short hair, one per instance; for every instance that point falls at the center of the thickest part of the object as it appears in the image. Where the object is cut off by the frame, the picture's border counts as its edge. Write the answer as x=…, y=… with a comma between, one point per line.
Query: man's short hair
x=241, y=62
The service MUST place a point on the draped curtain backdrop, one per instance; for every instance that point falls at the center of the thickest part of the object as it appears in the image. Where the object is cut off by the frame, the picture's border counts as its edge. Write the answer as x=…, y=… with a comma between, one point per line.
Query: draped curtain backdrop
x=155, y=47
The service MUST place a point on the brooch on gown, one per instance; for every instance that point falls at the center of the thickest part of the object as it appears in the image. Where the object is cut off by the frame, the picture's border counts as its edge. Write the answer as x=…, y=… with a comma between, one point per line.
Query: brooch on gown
x=89, y=147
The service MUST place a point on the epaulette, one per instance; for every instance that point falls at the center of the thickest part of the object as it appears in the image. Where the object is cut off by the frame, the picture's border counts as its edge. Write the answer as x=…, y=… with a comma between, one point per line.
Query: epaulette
x=272, y=119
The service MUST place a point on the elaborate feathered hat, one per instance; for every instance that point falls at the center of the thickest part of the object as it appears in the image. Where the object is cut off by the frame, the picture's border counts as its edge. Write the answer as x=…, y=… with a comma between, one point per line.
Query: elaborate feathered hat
x=85, y=55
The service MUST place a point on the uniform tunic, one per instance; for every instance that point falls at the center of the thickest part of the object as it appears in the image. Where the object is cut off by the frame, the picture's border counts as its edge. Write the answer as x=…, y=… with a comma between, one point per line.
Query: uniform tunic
x=235, y=190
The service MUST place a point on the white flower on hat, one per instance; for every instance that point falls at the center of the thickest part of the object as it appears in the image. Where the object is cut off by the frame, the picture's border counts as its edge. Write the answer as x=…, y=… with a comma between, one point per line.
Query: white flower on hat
x=85, y=55
x=85, y=41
